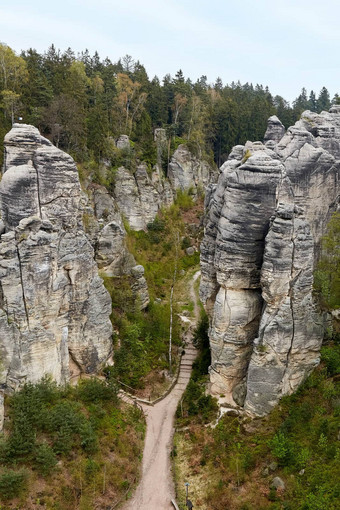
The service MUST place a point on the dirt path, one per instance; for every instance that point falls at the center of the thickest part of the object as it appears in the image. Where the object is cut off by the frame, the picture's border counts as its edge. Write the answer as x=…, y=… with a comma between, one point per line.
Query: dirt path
x=156, y=488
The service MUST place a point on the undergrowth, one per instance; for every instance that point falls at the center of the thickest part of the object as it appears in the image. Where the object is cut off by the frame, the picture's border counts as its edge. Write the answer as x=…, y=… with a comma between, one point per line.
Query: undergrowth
x=232, y=466
x=143, y=336
x=68, y=447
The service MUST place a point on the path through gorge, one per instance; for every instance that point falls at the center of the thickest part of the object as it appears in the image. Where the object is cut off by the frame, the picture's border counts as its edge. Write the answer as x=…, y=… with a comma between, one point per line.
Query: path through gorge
x=156, y=487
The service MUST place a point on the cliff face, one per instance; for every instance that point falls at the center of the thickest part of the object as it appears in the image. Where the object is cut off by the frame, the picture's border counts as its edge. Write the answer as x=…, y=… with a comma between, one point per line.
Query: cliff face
x=265, y=219
x=139, y=196
x=54, y=309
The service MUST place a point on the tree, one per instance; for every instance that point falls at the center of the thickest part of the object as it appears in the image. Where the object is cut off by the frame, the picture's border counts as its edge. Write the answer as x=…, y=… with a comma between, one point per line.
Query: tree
x=10, y=103
x=312, y=102
x=327, y=274
x=323, y=102
x=13, y=70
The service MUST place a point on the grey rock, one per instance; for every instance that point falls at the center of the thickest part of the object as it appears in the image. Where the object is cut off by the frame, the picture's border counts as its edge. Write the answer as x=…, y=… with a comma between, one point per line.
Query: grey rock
x=190, y=250
x=239, y=393
x=273, y=466
x=123, y=142
x=188, y=172
x=278, y=483
x=53, y=305
x=262, y=236
x=275, y=130
x=139, y=286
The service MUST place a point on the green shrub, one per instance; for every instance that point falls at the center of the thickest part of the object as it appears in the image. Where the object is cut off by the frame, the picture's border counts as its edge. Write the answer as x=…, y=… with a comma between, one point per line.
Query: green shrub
x=184, y=200
x=45, y=459
x=12, y=483
x=282, y=448
x=330, y=355
x=95, y=390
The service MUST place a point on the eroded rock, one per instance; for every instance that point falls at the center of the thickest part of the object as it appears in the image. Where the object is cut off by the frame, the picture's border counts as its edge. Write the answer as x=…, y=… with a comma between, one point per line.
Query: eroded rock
x=265, y=220
x=53, y=304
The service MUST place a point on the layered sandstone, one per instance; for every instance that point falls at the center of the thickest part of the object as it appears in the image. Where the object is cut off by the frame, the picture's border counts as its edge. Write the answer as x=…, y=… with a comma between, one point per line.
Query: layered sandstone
x=265, y=220
x=54, y=309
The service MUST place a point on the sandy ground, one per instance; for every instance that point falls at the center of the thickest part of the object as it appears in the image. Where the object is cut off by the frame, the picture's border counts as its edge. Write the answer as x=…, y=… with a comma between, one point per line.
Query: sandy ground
x=156, y=488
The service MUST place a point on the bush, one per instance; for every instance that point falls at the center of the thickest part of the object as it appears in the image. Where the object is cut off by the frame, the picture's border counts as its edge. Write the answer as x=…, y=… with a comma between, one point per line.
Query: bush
x=95, y=390
x=330, y=355
x=12, y=483
x=282, y=448
x=45, y=459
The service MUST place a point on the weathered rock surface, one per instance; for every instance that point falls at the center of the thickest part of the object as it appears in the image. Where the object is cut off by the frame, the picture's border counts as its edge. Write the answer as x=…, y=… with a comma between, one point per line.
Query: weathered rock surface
x=137, y=197
x=265, y=219
x=275, y=130
x=54, y=308
x=105, y=229
x=139, y=286
x=186, y=171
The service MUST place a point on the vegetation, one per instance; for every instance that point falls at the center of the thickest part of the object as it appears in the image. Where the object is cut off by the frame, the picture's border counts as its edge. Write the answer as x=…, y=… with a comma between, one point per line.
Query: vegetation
x=195, y=406
x=142, y=359
x=327, y=274
x=82, y=102
x=232, y=466
x=69, y=447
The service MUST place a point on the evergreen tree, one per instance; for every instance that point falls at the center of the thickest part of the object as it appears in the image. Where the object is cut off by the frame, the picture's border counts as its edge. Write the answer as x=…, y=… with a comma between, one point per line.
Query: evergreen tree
x=323, y=102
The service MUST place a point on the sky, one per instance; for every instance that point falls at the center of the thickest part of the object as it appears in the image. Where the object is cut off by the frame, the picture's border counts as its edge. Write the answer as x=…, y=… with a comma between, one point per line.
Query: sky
x=285, y=45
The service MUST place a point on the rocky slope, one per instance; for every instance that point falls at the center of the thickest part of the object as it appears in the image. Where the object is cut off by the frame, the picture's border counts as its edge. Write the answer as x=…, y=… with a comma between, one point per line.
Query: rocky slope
x=54, y=309
x=265, y=219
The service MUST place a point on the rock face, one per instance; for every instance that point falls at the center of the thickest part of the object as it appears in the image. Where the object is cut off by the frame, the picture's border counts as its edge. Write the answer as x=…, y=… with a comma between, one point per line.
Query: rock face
x=54, y=309
x=186, y=171
x=139, y=196
x=265, y=219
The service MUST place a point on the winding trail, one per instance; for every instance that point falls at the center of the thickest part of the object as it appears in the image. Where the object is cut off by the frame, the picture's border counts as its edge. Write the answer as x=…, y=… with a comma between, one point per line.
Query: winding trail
x=156, y=487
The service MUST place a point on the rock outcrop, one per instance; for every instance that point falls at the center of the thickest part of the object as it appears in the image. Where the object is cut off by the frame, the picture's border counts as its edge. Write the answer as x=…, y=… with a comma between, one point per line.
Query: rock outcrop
x=189, y=172
x=140, y=195
x=54, y=309
x=265, y=220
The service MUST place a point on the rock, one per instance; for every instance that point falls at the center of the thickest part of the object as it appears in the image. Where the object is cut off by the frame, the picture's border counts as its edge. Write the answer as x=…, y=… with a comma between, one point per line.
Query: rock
x=302, y=472
x=190, y=251
x=239, y=393
x=140, y=286
x=53, y=306
x=186, y=171
x=136, y=197
x=273, y=466
x=161, y=145
x=262, y=236
x=278, y=483
x=123, y=142
x=265, y=472
x=275, y=130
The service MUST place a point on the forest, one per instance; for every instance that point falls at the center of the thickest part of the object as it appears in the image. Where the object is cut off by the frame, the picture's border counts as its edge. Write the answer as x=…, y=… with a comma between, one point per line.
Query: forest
x=82, y=103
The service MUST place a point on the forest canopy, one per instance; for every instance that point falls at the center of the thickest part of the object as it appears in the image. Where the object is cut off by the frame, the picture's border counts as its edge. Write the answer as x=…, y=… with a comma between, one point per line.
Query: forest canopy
x=81, y=102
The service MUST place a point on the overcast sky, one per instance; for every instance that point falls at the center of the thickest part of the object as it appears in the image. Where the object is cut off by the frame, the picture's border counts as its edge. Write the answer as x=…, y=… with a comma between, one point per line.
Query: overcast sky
x=284, y=44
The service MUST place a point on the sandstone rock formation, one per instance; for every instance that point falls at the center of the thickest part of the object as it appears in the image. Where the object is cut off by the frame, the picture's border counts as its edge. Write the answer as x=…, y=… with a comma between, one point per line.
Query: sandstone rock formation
x=54, y=309
x=140, y=195
x=106, y=231
x=186, y=171
x=265, y=219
